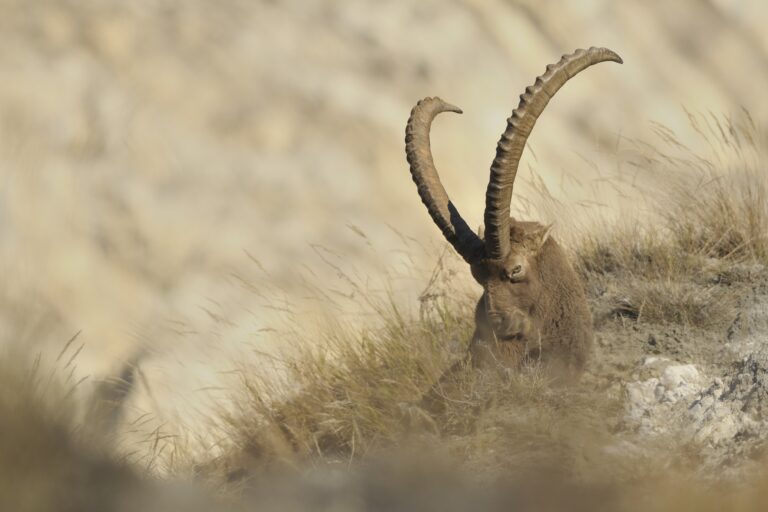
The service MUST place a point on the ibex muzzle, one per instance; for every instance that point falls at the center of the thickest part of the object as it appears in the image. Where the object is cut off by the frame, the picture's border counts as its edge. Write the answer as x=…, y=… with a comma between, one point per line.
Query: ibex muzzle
x=533, y=302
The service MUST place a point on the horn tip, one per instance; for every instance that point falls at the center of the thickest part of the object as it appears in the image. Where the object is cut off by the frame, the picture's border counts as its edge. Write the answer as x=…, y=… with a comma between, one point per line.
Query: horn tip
x=452, y=108
x=610, y=55
x=447, y=107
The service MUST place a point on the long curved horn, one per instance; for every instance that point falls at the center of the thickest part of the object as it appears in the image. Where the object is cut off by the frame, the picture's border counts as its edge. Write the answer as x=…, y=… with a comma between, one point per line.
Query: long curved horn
x=433, y=195
x=512, y=142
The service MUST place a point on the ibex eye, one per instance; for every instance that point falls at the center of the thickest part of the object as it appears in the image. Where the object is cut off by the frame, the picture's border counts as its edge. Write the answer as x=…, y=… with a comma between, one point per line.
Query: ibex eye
x=511, y=273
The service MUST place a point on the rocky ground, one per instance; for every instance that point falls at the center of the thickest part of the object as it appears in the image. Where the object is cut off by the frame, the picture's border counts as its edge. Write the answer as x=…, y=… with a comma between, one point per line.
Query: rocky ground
x=702, y=388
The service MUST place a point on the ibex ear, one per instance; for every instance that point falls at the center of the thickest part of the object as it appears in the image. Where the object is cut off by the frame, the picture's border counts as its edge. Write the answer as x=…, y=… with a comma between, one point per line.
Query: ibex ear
x=481, y=231
x=535, y=239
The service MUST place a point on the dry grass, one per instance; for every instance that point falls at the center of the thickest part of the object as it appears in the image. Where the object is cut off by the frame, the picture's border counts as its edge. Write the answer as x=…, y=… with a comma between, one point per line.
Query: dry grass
x=51, y=460
x=706, y=236
x=349, y=393
x=356, y=400
x=665, y=302
x=45, y=462
x=346, y=391
x=349, y=396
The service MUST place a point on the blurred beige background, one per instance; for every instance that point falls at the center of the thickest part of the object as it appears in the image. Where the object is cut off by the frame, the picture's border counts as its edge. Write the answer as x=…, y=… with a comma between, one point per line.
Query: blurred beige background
x=165, y=163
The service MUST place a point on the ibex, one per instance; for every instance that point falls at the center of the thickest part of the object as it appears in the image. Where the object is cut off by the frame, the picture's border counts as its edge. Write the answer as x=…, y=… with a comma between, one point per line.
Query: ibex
x=533, y=303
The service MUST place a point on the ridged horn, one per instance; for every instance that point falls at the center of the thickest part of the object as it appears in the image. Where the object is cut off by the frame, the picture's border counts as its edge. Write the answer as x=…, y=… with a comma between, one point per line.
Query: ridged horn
x=431, y=191
x=519, y=126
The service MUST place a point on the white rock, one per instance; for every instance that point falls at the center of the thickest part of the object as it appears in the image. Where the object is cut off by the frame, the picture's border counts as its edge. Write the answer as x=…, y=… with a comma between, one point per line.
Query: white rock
x=718, y=430
x=641, y=396
x=649, y=360
x=680, y=375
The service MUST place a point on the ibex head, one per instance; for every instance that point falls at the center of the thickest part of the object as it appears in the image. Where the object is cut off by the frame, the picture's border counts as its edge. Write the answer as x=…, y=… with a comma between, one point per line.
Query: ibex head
x=512, y=260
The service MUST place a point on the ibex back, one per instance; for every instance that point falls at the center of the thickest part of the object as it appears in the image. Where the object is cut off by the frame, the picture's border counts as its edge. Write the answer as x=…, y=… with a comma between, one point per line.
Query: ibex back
x=533, y=303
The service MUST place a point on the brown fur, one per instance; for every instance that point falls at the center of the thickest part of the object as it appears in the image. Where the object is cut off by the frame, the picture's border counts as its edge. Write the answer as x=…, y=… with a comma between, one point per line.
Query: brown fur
x=540, y=314
x=540, y=317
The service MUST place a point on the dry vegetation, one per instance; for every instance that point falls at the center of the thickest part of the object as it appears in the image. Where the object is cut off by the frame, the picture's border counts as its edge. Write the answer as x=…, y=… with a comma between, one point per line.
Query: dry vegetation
x=141, y=131
x=707, y=232
x=347, y=401
x=44, y=463
x=351, y=395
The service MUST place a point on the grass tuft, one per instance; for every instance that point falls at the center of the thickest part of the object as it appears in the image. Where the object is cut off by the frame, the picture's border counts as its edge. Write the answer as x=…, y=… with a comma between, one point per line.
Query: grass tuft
x=347, y=392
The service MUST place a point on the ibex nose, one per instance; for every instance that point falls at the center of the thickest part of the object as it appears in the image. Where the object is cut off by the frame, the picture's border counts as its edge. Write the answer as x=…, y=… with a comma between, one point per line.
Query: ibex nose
x=496, y=321
x=505, y=325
